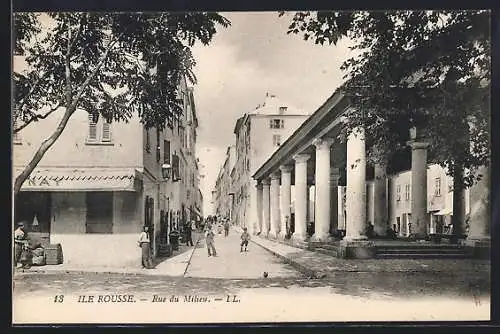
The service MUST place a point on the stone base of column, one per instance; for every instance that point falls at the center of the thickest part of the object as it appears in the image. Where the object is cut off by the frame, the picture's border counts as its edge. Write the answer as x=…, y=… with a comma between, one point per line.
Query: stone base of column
x=282, y=235
x=273, y=235
x=263, y=234
x=356, y=249
x=298, y=238
x=323, y=237
x=479, y=248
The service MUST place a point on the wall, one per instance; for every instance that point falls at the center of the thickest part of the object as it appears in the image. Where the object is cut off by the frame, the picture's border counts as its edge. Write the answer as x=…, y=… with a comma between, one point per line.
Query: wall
x=71, y=148
x=80, y=249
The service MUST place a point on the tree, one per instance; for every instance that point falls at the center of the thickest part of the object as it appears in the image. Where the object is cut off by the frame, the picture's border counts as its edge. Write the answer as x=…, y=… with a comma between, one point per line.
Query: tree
x=108, y=64
x=428, y=69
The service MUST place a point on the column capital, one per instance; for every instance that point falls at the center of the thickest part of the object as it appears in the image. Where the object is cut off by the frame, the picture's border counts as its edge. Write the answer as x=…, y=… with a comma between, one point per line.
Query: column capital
x=323, y=143
x=417, y=145
x=301, y=157
x=265, y=182
x=286, y=168
x=275, y=175
x=259, y=185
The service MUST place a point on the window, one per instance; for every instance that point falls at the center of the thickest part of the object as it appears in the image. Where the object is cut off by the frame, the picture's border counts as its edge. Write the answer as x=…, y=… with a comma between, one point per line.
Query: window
x=276, y=123
x=248, y=165
x=93, y=127
x=148, y=141
x=99, y=130
x=106, y=131
x=276, y=140
x=158, y=147
x=166, y=152
x=282, y=109
x=16, y=138
x=175, y=168
x=407, y=192
x=99, y=212
x=437, y=187
x=398, y=192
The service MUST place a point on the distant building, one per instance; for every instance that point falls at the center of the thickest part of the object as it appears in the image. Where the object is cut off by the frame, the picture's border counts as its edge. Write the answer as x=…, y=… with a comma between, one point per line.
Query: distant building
x=258, y=134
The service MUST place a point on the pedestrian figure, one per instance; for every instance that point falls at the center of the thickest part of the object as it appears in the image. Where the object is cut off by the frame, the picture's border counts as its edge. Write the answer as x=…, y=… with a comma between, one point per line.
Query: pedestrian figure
x=209, y=240
x=145, y=244
x=20, y=239
x=189, y=235
x=245, y=236
x=226, y=228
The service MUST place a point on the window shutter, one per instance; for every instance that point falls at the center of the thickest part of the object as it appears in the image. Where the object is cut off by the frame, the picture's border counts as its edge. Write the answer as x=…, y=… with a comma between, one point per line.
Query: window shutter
x=166, y=152
x=92, y=128
x=15, y=135
x=106, y=131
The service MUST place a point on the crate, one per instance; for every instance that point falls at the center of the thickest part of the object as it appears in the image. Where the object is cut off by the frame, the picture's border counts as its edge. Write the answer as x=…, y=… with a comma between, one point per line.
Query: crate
x=53, y=254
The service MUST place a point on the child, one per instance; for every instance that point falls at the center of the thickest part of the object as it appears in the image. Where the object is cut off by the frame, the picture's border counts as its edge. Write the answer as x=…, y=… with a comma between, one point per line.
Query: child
x=244, y=239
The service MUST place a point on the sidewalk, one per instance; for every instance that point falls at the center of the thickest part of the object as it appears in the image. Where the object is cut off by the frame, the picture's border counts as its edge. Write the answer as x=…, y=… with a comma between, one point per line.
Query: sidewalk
x=172, y=266
x=319, y=265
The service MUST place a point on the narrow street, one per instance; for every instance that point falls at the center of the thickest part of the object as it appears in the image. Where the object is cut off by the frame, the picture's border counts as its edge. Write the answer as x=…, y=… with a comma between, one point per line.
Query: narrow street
x=230, y=263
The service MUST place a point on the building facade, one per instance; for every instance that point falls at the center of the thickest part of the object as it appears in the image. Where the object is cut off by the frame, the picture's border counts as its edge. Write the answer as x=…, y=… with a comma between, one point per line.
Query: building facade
x=101, y=182
x=223, y=186
x=258, y=134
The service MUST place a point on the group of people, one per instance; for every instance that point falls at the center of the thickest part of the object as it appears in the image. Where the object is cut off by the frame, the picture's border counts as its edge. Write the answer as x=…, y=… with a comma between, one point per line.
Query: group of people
x=210, y=236
x=21, y=246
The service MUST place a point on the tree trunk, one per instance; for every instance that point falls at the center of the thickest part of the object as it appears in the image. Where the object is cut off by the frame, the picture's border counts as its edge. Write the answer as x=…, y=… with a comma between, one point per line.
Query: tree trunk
x=44, y=147
x=458, y=218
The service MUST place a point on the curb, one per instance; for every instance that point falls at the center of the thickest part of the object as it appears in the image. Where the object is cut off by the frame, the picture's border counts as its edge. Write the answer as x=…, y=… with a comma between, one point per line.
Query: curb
x=190, y=257
x=309, y=272
x=318, y=274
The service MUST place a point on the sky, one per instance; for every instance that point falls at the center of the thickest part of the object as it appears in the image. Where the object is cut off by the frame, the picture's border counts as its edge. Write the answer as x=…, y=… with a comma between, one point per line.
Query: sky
x=243, y=62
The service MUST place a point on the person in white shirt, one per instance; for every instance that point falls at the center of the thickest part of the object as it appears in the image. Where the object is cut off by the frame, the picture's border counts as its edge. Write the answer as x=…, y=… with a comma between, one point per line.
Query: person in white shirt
x=145, y=244
x=20, y=239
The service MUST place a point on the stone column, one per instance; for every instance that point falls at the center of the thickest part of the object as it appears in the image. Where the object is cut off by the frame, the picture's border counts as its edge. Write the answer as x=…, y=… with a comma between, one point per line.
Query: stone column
x=266, y=222
x=275, y=205
x=259, y=207
x=479, y=237
x=340, y=208
x=301, y=189
x=419, y=189
x=334, y=199
x=286, y=187
x=380, y=200
x=356, y=186
x=322, y=190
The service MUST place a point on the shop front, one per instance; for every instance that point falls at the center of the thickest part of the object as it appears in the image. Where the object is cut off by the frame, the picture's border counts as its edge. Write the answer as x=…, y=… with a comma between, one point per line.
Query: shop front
x=95, y=215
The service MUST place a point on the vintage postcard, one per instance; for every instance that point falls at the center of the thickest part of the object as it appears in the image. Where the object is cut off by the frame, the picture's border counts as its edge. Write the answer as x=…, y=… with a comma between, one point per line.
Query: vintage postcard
x=251, y=167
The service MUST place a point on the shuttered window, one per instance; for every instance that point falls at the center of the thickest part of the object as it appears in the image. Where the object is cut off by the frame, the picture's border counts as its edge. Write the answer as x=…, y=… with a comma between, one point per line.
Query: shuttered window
x=106, y=131
x=16, y=138
x=92, y=128
x=166, y=152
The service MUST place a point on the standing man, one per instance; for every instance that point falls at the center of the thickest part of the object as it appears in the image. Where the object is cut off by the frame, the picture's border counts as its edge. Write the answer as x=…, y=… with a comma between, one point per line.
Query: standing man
x=226, y=227
x=209, y=240
x=189, y=234
x=20, y=239
x=145, y=245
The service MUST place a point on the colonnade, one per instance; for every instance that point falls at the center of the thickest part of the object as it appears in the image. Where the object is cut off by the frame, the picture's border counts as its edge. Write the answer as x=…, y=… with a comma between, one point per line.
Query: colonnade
x=274, y=195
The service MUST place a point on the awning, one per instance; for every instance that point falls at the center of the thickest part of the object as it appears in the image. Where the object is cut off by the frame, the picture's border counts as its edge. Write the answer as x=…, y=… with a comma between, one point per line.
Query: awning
x=88, y=179
x=443, y=212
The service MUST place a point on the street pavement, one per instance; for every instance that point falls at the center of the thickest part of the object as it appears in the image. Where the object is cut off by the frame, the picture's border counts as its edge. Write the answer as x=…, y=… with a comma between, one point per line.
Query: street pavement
x=231, y=263
x=231, y=288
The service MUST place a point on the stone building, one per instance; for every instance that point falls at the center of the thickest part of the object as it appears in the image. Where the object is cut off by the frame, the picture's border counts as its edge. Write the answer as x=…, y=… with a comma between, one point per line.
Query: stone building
x=101, y=182
x=258, y=134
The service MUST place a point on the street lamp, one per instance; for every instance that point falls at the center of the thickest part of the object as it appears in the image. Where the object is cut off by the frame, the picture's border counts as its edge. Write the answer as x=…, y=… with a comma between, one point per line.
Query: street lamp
x=413, y=133
x=166, y=169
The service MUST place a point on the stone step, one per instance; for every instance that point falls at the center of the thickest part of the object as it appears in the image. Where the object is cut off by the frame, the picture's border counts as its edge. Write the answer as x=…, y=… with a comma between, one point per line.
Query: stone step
x=326, y=251
x=417, y=251
x=423, y=256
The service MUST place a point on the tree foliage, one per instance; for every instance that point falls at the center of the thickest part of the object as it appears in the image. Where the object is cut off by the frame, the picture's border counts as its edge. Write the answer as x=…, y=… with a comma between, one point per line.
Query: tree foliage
x=428, y=69
x=109, y=64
